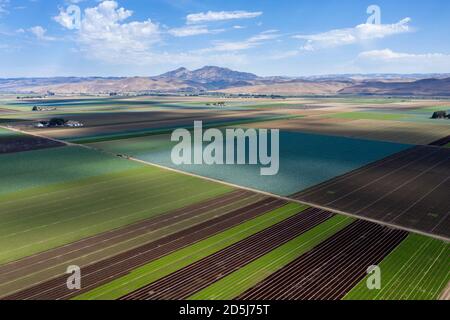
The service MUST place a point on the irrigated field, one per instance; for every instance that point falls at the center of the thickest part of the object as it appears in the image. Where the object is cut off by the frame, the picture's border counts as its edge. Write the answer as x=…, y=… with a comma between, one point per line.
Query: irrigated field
x=332, y=268
x=70, y=193
x=188, y=255
x=408, y=189
x=138, y=231
x=305, y=160
x=416, y=270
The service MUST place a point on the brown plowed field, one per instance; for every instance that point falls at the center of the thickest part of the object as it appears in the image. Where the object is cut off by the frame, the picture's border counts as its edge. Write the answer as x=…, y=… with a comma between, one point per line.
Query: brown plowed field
x=48, y=264
x=408, y=189
x=18, y=143
x=332, y=268
x=106, y=270
x=197, y=276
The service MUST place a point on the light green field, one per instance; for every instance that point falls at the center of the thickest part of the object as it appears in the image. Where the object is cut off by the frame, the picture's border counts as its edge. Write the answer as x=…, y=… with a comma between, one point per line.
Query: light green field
x=418, y=269
x=38, y=168
x=8, y=133
x=245, y=278
x=369, y=100
x=186, y=256
x=38, y=219
x=366, y=116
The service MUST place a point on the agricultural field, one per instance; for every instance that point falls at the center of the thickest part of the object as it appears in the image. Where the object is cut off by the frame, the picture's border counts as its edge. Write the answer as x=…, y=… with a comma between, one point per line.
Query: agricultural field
x=361, y=182
x=224, y=159
x=417, y=269
x=90, y=206
x=305, y=159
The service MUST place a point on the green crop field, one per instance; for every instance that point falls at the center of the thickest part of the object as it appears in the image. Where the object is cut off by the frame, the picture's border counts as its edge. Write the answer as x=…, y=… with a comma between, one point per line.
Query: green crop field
x=37, y=219
x=418, y=269
x=181, y=258
x=239, y=281
x=367, y=116
x=53, y=197
x=358, y=100
x=38, y=168
x=4, y=133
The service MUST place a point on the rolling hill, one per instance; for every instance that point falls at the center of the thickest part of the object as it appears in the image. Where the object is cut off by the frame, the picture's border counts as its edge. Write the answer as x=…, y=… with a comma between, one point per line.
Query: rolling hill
x=217, y=79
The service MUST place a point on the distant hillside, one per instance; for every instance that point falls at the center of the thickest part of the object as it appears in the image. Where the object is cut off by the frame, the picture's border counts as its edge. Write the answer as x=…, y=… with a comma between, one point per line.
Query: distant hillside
x=208, y=74
x=211, y=78
x=293, y=87
x=102, y=85
x=425, y=87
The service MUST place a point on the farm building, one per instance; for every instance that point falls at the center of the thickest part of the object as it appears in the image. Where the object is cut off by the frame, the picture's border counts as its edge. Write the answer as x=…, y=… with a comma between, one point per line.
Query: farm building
x=441, y=115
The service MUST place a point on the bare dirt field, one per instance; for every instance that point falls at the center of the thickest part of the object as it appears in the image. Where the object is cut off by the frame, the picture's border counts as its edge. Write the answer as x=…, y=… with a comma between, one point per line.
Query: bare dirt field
x=408, y=189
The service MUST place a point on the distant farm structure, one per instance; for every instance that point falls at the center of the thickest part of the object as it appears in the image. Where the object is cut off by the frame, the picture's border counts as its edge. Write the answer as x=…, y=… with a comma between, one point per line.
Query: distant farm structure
x=217, y=104
x=441, y=115
x=58, y=122
x=38, y=108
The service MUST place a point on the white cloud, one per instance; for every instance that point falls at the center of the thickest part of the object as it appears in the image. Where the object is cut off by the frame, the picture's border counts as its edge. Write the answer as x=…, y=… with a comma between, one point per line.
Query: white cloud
x=220, y=16
x=3, y=5
x=390, y=61
x=104, y=34
x=284, y=54
x=188, y=31
x=40, y=33
x=65, y=19
x=358, y=34
x=249, y=43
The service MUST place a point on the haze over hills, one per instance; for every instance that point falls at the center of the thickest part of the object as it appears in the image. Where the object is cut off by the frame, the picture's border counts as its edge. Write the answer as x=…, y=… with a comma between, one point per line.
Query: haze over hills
x=217, y=79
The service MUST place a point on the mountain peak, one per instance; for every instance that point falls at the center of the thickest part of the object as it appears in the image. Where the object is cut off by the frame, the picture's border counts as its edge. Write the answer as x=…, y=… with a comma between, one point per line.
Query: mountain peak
x=208, y=74
x=175, y=74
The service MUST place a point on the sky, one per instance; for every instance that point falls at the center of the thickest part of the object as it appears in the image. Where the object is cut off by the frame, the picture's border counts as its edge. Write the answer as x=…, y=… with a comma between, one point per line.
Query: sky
x=46, y=38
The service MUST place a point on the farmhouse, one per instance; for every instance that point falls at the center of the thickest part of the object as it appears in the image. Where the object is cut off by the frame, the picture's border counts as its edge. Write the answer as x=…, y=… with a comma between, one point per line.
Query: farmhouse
x=73, y=124
x=58, y=122
x=41, y=124
x=441, y=115
x=38, y=108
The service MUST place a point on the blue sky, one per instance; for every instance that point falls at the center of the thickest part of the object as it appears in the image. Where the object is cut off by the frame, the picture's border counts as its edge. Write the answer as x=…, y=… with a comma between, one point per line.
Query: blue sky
x=267, y=37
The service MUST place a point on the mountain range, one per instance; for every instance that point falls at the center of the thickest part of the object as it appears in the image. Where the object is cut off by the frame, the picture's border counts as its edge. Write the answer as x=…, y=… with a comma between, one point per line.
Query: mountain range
x=214, y=79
